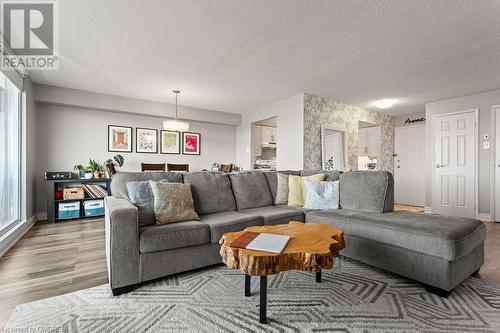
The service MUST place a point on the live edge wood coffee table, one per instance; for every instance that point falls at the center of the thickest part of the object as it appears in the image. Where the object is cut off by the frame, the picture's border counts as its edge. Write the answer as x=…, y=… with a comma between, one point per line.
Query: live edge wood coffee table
x=311, y=247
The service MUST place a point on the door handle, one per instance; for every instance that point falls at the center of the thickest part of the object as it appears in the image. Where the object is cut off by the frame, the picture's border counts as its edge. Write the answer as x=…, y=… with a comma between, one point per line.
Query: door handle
x=438, y=166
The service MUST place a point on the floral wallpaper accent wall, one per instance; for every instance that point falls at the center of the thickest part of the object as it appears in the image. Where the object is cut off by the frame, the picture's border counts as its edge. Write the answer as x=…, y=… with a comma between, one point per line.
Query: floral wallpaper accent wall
x=319, y=110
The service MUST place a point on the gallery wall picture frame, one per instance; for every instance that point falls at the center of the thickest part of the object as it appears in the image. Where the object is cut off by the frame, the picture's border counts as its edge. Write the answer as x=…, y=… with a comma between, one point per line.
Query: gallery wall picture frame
x=191, y=143
x=146, y=140
x=170, y=142
x=120, y=139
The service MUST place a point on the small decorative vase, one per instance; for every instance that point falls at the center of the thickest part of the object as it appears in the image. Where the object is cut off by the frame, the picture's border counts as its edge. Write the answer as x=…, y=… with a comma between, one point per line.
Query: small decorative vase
x=81, y=174
x=97, y=174
x=89, y=175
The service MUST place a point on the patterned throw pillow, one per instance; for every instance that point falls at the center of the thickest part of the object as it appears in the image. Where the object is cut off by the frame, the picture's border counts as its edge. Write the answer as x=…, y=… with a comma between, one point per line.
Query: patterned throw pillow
x=173, y=202
x=281, y=189
x=296, y=188
x=321, y=195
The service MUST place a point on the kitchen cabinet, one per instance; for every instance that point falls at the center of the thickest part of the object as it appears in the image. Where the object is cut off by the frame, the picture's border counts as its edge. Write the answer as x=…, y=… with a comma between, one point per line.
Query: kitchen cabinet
x=268, y=134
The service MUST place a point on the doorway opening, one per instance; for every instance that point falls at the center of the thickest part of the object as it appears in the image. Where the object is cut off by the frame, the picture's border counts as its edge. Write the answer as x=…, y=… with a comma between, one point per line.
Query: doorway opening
x=264, y=139
x=368, y=145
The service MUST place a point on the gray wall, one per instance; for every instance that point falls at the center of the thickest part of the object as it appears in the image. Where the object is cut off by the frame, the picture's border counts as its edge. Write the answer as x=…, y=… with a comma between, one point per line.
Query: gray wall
x=68, y=135
x=483, y=102
x=104, y=102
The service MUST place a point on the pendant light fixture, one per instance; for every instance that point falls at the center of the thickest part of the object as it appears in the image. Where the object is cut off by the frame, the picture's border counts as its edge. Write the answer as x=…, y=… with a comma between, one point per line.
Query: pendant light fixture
x=175, y=125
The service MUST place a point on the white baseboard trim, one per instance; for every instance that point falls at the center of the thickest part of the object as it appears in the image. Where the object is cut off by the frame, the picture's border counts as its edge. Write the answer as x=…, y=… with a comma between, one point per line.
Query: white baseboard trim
x=428, y=210
x=41, y=216
x=13, y=235
x=484, y=217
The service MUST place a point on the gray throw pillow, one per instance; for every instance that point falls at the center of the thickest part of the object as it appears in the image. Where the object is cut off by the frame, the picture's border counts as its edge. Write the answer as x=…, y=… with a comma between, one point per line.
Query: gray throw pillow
x=281, y=189
x=141, y=196
x=321, y=194
x=173, y=202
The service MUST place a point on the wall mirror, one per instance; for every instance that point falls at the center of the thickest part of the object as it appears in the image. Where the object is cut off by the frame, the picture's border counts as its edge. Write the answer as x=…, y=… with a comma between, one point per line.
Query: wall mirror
x=368, y=145
x=333, y=147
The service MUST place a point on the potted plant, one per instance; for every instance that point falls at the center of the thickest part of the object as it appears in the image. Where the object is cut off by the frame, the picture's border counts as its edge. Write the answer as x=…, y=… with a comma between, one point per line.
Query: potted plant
x=95, y=168
x=81, y=170
x=215, y=166
x=110, y=164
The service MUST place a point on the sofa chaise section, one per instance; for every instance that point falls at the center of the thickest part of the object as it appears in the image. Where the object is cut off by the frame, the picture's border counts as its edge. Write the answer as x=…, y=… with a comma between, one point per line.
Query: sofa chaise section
x=438, y=251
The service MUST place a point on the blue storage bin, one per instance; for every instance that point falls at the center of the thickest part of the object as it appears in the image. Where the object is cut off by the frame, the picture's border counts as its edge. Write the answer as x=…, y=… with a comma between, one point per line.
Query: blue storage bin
x=93, y=207
x=68, y=210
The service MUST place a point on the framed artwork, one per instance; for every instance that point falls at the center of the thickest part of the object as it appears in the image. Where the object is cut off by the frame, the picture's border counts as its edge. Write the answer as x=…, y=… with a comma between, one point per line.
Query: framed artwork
x=191, y=143
x=146, y=140
x=120, y=138
x=170, y=142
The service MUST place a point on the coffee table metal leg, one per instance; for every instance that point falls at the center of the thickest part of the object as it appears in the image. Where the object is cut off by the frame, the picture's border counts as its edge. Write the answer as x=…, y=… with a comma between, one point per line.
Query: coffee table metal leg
x=263, y=300
x=248, y=279
x=318, y=276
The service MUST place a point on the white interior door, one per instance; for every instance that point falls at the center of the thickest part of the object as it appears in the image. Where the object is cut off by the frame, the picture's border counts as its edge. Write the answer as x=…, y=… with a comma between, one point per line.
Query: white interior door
x=409, y=180
x=497, y=164
x=454, y=165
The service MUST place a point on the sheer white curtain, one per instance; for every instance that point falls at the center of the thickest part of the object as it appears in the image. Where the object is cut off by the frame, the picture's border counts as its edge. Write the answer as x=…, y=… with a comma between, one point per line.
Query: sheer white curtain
x=10, y=138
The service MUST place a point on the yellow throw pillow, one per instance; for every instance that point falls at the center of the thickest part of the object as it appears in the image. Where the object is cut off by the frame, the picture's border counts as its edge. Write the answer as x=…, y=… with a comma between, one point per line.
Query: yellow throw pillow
x=296, y=188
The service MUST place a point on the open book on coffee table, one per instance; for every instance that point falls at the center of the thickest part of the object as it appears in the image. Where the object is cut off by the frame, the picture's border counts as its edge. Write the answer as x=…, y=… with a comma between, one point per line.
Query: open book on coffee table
x=261, y=242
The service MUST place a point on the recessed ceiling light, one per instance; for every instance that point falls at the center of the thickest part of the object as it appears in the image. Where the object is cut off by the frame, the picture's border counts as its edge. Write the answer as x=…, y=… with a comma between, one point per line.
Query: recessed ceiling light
x=385, y=103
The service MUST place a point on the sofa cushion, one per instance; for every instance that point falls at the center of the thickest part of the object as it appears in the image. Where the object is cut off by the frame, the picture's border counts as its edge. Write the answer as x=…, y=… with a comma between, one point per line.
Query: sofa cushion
x=250, y=190
x=273, y=182
x=281, y=189
x=119, y=181
x=142, y=197
x=321, y=195
x=445, y=237
x=172, y=236
x=211, y=192
x=173, y=202
x=296, y=188
x=220, y=223
x=330, y=175
x=273, y=215
x=296, y=208
x=368, y=191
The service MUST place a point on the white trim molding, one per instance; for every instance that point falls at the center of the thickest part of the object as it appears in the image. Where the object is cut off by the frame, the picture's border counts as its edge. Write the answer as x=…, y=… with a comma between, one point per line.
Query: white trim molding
x=13, y=235
x=41, y=216
x=484, y=217
x=427, y=210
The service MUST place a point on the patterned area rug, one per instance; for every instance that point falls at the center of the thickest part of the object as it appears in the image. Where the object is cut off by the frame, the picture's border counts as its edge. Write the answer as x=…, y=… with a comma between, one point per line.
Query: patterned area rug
x=352, y=297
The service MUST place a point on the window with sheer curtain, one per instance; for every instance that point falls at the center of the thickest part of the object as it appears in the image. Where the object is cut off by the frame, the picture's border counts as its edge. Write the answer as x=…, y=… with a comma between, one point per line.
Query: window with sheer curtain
x=10, y=143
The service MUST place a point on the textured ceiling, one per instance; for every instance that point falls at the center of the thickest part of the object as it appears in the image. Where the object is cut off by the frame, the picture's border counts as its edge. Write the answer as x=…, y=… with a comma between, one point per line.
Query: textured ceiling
x=237, y=55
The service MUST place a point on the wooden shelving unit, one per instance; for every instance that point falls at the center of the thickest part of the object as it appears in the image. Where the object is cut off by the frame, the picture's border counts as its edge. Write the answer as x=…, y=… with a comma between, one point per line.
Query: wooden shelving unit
x=58, y=185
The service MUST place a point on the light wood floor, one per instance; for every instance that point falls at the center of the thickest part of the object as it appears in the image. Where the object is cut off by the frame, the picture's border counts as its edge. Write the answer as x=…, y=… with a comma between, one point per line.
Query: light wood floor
x=57, y=258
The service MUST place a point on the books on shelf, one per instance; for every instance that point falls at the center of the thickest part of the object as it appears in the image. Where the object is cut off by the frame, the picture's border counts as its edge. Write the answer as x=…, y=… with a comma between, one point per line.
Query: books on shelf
x=261, y=242
x=95, y=191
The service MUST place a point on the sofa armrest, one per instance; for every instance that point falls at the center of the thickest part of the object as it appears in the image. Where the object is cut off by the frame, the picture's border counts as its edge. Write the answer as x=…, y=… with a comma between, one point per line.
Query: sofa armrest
x=122, y=242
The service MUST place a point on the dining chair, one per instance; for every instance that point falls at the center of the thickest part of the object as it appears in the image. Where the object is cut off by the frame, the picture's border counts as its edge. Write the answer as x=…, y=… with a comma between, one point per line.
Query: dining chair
x=152, y=167
x=178, y=167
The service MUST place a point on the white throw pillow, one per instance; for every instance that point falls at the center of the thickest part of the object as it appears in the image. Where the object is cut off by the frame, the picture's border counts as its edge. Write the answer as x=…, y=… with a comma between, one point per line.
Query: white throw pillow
x=321, y=195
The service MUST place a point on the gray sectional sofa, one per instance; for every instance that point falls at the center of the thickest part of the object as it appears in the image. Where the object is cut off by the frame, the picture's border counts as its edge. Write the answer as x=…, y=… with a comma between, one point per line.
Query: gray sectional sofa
x=437, y=251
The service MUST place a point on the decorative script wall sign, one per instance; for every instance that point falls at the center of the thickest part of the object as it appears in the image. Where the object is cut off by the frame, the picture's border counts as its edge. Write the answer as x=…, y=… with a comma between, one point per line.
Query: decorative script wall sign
x=415, y=120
